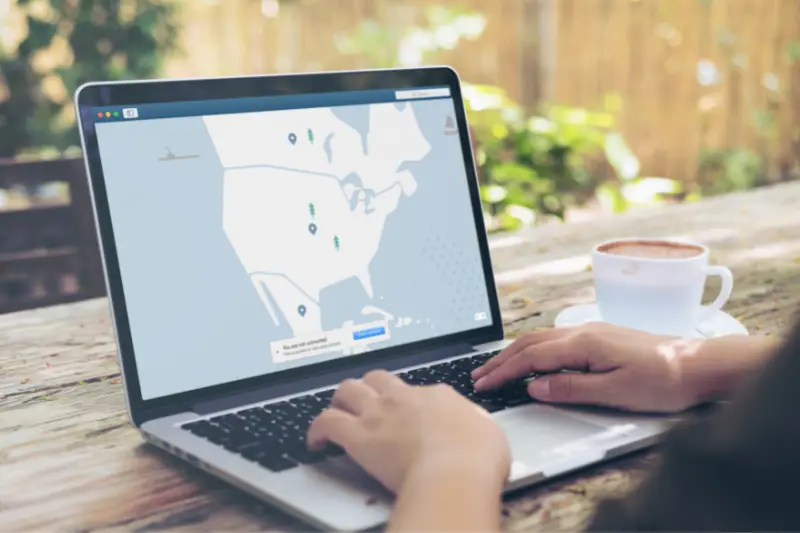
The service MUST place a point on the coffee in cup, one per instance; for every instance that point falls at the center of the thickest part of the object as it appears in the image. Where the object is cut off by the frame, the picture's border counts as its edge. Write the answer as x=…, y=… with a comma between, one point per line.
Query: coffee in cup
x=652, y=249
x=656, y=285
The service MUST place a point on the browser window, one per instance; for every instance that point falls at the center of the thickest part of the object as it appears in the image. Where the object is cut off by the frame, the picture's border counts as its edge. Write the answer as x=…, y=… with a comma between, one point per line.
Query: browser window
x=258, y=235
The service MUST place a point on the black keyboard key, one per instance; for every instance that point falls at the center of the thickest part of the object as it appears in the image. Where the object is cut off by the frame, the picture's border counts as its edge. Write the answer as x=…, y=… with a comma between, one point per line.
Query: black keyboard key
x=260, y=417
x=490, y=406
x=230, y=422
x=463, y=388
x=408, y=378
x=309, y=404
x=201, y=428
x=305, y=456
x=285, y=418
x=333, y=450
x=307, y=414
x=281, y=409
x=268, y=433
x=511, y=395
x=325, y=396
x=250, y=449
x=220, y=438
x=425, y=376
x=417, y=377
x=272, y=415
x=210, y=432
x=255, y=453
x=472, y=363
x=305, y=418
x=244, y=441
x=303, y=412
x=443, y=368
x=515, y=393
x=276, y=463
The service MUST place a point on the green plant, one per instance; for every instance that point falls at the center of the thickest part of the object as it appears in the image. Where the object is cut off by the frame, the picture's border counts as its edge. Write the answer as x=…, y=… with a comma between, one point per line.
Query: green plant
x=69, y=43
x=724, y=171
x=537, y=167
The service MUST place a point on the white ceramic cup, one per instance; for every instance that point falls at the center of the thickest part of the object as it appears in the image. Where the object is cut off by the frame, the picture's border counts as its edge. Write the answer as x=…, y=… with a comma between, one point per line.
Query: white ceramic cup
x=661, y=295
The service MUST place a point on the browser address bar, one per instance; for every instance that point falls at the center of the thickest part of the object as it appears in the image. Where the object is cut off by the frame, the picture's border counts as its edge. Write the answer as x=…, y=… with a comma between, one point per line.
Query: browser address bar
x=422, y=93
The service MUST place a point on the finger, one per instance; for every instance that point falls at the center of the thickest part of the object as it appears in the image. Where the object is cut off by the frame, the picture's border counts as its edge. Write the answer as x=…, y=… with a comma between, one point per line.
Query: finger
x=383, y=381
x=549, y=356
x=353, y=396
x=576, y=388
x=336, y=426
x=514, y=348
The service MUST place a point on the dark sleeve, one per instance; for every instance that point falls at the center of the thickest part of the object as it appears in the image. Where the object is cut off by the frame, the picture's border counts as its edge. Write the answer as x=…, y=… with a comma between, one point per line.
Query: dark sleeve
x=736, y=470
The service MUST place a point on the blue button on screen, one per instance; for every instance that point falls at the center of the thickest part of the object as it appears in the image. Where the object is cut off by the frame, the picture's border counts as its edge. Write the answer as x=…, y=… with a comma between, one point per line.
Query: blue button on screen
x=367, y=333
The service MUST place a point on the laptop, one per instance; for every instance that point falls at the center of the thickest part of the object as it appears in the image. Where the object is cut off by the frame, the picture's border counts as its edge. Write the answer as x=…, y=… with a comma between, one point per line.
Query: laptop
x=266, y=237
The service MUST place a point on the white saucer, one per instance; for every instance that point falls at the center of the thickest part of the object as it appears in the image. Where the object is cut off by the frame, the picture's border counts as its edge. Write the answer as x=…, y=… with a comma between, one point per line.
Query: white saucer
x=718, y=325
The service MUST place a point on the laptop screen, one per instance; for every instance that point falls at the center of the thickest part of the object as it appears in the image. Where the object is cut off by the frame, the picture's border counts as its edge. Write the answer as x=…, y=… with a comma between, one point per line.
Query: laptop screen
x=256, y=235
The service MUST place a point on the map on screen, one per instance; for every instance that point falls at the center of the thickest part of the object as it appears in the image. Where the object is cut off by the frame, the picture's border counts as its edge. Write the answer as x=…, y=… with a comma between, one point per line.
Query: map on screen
x=305, y=202
x=255, y=242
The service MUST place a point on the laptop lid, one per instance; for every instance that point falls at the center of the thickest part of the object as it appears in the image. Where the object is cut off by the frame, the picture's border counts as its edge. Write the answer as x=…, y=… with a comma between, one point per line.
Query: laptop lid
x=257, y=230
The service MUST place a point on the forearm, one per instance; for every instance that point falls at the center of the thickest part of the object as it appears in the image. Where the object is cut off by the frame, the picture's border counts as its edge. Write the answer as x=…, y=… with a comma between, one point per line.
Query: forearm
x=735, y=470
x=712, y=369
x=465, y=497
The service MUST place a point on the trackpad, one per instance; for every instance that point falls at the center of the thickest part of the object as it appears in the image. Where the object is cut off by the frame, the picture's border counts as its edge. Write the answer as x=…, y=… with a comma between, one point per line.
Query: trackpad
x=535, y=430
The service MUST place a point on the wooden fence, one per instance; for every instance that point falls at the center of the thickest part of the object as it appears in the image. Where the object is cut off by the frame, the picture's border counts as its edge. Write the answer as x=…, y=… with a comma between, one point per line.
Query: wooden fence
x=653, y=53
x=48, y=251
x=692, y=74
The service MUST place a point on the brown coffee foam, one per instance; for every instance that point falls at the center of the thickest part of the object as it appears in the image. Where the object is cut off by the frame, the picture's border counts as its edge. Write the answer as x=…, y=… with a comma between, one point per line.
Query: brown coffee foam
x=653, y=249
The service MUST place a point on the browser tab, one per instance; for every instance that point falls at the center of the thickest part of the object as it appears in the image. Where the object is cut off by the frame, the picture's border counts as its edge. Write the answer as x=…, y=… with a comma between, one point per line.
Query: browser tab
x=422, y=93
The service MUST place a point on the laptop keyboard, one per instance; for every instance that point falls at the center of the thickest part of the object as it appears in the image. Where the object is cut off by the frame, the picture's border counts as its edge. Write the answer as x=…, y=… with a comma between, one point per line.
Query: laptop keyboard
x=274, y=435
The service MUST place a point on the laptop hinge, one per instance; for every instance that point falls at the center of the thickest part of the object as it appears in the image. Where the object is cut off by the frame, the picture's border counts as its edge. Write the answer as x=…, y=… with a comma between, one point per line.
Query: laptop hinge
x=327, y=379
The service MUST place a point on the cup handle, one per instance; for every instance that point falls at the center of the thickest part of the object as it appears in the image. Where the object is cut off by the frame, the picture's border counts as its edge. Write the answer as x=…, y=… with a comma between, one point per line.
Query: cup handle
x=725, y=292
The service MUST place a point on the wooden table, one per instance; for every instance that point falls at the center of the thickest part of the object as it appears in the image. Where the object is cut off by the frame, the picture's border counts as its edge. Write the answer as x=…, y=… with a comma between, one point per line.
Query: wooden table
x=69, y=459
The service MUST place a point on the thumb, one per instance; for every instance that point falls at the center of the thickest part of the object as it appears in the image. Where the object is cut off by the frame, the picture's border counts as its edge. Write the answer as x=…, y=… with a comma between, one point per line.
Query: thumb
x=573, y=388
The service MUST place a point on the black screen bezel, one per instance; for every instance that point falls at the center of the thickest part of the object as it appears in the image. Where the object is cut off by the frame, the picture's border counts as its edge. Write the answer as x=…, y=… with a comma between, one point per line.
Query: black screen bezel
x=160, y=91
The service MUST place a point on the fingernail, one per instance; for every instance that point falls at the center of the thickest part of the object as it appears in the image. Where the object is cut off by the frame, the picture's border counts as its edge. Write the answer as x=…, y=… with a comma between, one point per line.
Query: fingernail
x=540, y=389
x=480, y=383
x=477, y=372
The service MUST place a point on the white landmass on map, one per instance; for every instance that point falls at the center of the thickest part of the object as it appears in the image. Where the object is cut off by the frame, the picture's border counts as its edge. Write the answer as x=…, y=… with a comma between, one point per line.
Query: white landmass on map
x=269, y=184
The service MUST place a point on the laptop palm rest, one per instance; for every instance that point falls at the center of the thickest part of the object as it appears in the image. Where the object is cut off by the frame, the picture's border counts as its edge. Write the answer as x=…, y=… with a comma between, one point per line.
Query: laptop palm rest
x=542, y=440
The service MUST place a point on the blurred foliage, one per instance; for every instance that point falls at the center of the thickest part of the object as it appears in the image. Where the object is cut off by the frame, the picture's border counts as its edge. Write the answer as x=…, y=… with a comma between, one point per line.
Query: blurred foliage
x=536, y=167
x=380, y=46
x=531, y=166
x=724, y=171
x=69, y=43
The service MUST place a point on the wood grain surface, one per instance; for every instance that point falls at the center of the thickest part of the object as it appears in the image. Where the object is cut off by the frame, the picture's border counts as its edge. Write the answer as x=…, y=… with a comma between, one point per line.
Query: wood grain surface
x=70, y=460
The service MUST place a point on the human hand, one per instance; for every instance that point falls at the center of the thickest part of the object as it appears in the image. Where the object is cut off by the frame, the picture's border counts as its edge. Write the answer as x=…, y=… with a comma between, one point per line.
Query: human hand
x=614, y=367
x=391, y=429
